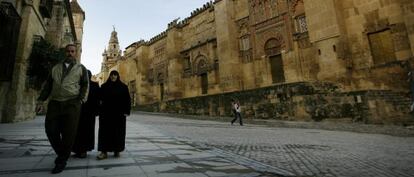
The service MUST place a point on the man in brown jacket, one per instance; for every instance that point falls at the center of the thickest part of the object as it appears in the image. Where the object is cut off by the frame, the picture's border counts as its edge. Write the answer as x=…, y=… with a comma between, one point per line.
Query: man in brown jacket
x=66, y=88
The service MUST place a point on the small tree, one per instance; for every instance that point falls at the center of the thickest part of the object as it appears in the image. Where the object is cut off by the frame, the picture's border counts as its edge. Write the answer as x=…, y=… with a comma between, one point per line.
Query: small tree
x=43, y=57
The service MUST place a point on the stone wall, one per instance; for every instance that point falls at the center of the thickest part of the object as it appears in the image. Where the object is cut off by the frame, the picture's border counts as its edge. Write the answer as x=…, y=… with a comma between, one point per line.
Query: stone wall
x=374, y=62
x=385, y=107
x=261, y=52
x=17, y=98
x=303, y=101
x=19, y=102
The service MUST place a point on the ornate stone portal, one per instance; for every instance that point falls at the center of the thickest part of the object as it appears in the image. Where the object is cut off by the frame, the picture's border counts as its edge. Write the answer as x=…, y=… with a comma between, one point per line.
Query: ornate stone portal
x=262, y=51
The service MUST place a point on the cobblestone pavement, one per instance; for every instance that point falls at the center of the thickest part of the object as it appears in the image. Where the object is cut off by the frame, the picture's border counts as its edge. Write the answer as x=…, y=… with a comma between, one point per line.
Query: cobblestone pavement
x=25, y=152
x=302, y=152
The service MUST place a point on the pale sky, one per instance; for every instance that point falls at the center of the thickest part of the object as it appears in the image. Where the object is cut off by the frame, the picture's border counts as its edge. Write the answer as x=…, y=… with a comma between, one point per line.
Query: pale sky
x=133, y=20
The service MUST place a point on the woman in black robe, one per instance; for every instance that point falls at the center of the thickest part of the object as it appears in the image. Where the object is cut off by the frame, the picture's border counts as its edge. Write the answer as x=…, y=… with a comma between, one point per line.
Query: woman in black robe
x=115, y=106
x=85, y=137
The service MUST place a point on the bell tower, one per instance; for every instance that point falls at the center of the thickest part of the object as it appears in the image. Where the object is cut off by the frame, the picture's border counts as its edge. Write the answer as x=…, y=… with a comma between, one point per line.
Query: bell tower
x=111, y=54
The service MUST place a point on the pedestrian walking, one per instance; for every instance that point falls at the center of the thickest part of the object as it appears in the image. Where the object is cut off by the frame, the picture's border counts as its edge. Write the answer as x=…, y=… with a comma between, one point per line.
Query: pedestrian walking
x=85, y=137
x=115, y=107
x=67, y=88
x=237, y=112
x=410, y=80
x=233, y=111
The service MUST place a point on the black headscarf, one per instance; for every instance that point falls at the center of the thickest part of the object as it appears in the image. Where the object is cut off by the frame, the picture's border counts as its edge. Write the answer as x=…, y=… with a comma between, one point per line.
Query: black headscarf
x=115, y=96
x=118, y=79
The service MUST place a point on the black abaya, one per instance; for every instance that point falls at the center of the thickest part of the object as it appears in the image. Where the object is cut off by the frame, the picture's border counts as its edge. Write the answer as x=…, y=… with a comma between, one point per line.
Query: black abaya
x=85, y=138
x=116, y=103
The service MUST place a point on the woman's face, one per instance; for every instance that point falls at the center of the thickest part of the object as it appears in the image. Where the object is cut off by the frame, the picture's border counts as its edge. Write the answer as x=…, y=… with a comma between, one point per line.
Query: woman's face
x=113, y=77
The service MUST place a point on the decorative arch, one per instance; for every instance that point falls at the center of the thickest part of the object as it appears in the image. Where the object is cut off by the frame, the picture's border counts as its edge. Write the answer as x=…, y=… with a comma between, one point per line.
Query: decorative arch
x=244, y=29
x=296, y=3
x=273, y=46
x=202, y=65
x=298, y=7
x=160, y=77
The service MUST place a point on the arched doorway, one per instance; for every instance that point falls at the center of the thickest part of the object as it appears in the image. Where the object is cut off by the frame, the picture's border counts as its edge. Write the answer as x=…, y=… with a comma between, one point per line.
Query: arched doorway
x=273, y=49
x=202, y=70
x=160, y=77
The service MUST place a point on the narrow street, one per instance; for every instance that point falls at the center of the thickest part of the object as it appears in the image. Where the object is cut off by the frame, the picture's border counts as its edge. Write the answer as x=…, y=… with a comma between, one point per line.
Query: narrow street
x=165, y=146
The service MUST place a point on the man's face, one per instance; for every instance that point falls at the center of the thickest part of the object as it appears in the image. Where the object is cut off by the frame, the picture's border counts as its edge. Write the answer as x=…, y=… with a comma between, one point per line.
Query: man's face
x=71, y=52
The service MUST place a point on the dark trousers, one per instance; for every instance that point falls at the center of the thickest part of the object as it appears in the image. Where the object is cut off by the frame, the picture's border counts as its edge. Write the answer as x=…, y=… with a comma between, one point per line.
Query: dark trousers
x=237, y=115
x=61, y=126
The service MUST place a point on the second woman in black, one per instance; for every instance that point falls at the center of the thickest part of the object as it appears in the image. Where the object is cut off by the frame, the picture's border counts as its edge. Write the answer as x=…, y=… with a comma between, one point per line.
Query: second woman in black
x=115, y=106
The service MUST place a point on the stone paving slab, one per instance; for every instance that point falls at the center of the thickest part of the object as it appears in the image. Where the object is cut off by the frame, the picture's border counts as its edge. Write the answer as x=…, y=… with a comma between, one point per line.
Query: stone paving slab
x=25, y=151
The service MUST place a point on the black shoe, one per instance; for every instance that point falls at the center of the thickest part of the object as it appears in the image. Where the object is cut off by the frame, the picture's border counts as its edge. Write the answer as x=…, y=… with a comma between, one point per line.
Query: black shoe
x=58, y=168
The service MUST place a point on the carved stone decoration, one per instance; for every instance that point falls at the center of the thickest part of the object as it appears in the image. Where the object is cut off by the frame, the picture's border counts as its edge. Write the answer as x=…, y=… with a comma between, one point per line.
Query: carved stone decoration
x=273, y=46
x=295, y=4
x=245, y=51
x=243, y=29
x=202, y=65
x=160, y=77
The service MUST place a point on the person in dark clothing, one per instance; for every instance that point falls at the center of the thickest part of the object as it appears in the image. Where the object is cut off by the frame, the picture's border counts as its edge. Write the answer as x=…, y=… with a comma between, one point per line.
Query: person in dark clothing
x=410, y=80
x=67, y=88
x=115, y=106
x=85, y=138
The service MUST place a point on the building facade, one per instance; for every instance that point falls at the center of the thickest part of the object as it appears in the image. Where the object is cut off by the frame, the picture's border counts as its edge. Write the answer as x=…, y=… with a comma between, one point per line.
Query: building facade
x=26, y=27
x=284, y=59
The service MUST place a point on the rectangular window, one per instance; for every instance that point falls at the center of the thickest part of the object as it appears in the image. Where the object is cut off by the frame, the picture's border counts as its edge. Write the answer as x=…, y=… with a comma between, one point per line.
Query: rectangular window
x=132, y=86
x=161, y=91
x=382, y=47
x=245, y=50
x=187, y=64
x=150, y=75
x=133, y=99
x=301, y=25
x=132, y=92
x=273, y=8
x=204, y=83
x=215, y=51
x=159, y=52
x=246, y=43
